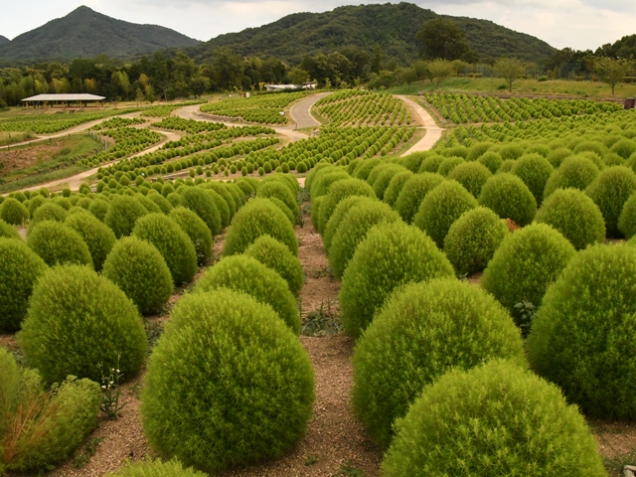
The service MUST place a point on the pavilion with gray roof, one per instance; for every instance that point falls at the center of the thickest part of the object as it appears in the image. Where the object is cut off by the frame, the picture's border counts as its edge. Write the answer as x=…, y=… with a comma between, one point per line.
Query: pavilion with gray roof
x=64, y=99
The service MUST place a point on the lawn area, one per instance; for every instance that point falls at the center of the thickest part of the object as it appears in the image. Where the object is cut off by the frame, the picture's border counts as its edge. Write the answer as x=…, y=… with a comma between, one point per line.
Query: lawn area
x=583, y=89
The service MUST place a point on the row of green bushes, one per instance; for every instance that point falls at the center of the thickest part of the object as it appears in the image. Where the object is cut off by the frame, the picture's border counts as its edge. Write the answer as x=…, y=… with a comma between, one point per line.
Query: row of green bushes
x=439, y=364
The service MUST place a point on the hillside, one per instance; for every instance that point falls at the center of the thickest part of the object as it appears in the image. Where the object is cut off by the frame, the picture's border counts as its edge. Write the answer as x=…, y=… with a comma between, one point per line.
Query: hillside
x=4, y=40
x=85, y=33
x=393, y=26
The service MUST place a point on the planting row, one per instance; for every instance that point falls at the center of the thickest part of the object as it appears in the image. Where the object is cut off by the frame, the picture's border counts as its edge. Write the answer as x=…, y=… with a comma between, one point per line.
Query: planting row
x=52, y=123
x=463, y=108
x=362, y=108
x=127, y=141
x=164, y=111
x=436, y=355
x=266, y=108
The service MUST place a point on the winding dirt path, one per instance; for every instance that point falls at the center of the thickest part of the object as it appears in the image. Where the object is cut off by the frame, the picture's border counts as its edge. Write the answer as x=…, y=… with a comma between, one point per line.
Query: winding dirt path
x=301, y=111
x=433, y=131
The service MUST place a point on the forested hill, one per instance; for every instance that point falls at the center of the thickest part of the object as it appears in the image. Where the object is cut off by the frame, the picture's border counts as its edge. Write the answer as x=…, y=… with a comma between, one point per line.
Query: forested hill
x=3, y=40
x=392, y=26
x=85, y=33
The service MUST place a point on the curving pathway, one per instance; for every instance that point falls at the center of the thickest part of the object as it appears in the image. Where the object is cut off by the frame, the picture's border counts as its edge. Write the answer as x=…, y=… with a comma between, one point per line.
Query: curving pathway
x=301, y=111
x=433, y=131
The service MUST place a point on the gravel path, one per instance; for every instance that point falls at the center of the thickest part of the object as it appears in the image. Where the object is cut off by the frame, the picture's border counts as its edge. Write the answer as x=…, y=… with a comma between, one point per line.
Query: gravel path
x=301, y=111
x=433, y=131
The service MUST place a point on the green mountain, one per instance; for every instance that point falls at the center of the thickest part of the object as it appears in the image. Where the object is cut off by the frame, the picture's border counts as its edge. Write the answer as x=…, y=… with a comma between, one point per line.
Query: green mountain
x=392, y=26
x=4, y=39
x=85, y=33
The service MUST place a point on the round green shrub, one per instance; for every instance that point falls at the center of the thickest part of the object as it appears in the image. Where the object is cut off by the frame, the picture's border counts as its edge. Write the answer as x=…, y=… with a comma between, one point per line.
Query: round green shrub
x=48, y=211
x=353, y=229
x=259, y=217
x=148, y=204
x=339, y=191
x=227, y=385
x=610, y=190
x=575, y=171
x=78, y=319
x=222, y=190
x=448, y=165
x=280, y=192
x=156, y=468
x=175, y=200
x=496, y=420
x=627, y=219
x=491, y=160
x=509, y=198
x=8, y=231
x=58, y=244
x=325, y=179
x=391, y=255
x=534, y=170
x=137, y=267
x=575, y=215
x=314, y=172
x=98, y=237
x=196, y=229
x=34, y=203
x=624, y=148
x=161, y=202
x=471, y=175
x=288, y=213
x=222, y=206
x=99, y=208
x=431, y=164
x=336, y=218
x=202, y=204
x=315, y=210
x=13, y=212
x=581, y=338
x=478, y=150
x=558, y=156
x=472, y=240
x=123, y=212
x=511, y=152
x=20, y=268
x=381, y=183
x=423, y=331
x=172, y=242
x=441, y=207
x=414, y=192
x=525, y=264
x=364, y=170
x=245, y=274
x=394, y=188
x=275, y=255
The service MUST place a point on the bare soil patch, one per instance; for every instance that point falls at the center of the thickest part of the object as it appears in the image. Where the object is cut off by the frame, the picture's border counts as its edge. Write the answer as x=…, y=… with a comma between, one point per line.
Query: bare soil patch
x=22, y=158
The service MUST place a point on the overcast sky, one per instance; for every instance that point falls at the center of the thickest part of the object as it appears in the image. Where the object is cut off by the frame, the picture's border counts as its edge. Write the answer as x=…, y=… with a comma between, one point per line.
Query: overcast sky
x=579, y=24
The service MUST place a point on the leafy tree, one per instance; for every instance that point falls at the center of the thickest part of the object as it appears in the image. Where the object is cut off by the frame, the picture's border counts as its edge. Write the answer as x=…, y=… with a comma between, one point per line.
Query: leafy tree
x=298, y=76
x=442, y=38
x=510, y=69
x=613, y=71
x=440, y=70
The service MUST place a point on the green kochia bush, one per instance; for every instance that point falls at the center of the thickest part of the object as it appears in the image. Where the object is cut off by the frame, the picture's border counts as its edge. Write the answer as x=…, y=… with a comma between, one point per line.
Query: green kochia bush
x=473, y=239
x=99, y=208
x=425, y=330
x=275, y=255
x=20, y=268
x=381, y=183
x=137, y=267
x=8, y=231
x=196, y=229
x=246, y=274
x=525, y=264
x=471, y=175
x=201, y=203
x=582, y=336
x=627, y=219
x=353, y=230
x=48, y=211
x=575, y=215
x=491, y=160
x=510, y=198
x=339, y=191
x=227, y=385
x=315, y=210
x=577, y=172
x=172, y=242
x=534, y=170
x=279, y=191
x=391, y=255
x=495, y=420
x=78, y=319
x=336, y=218
x=98, y=237
x=259, y=217
x=441, y=207
x=13, y=212
x=610, y=190
x=394, y=188
x=156, y=468
x=123, y=212
x=39, y=429
x=286, y=210
x=57, y=244
x=414, y=192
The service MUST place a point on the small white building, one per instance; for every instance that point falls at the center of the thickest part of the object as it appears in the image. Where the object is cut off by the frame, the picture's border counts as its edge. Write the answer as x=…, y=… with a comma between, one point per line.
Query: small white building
x=289, y=87
x=64, y=99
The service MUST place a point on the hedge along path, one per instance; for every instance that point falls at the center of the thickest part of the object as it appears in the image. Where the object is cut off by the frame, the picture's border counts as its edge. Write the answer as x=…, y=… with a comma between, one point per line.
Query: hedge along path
x=433, y=131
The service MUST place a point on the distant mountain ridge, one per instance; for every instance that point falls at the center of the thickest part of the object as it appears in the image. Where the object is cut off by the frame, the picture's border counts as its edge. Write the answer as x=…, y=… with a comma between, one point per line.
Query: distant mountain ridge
x=84, y=33
x=392, y=26
x=4, y=39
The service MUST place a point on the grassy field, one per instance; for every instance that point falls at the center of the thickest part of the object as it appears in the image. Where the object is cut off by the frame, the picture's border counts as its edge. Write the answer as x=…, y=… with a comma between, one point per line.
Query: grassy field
x=29, y=165
x=583, y=89
x=7, y=138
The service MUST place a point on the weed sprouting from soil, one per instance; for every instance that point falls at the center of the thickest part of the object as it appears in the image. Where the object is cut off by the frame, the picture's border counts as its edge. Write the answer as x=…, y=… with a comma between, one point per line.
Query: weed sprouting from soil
x=325, y=320
x=348, y=470
x=82, y=458
x=111, y=391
